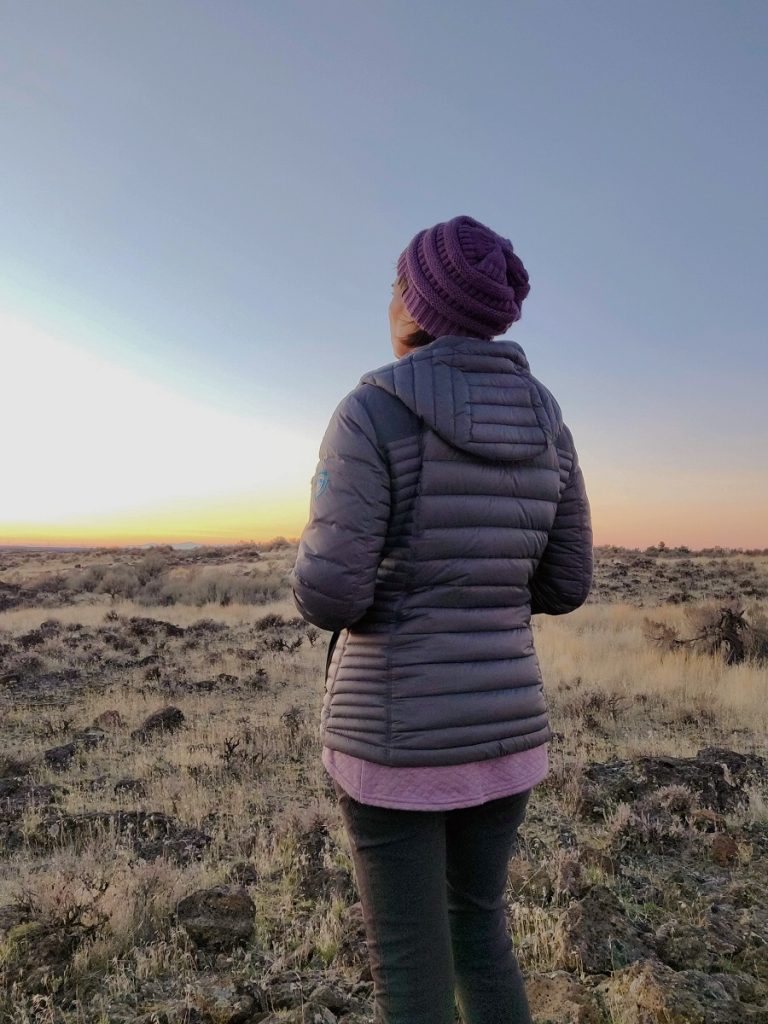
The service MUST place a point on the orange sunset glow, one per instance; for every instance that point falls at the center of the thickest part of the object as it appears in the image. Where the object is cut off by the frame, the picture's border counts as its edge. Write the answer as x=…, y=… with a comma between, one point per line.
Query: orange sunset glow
x=164, y=468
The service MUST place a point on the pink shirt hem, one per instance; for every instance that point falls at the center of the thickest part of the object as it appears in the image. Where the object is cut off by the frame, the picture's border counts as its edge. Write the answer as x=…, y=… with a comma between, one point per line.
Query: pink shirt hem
x=440, y=787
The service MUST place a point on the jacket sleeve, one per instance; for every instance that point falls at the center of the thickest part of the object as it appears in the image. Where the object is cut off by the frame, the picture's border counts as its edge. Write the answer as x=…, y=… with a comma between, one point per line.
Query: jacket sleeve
x=340, y=548
x=563, y=578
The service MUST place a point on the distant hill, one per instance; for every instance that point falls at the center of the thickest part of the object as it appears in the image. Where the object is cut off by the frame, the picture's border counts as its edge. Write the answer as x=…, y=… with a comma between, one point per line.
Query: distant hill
x=187, y=545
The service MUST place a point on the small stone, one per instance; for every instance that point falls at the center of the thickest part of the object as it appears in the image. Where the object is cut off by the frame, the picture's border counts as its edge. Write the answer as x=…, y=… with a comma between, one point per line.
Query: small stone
x=109, y=719
x=558, y=998
x=90, y=738
x=529, y=879
x=330, y=996
x=569, y=881
x=244, y=873
x=314, y=1014
x=724, y=849
x=592, y=856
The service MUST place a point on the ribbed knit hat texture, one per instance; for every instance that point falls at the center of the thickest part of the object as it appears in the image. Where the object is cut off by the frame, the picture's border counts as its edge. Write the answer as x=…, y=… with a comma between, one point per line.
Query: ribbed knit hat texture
x=462, y=278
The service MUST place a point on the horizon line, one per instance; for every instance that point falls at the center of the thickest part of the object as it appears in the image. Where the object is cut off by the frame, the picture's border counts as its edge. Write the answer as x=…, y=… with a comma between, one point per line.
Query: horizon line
x=280, y=539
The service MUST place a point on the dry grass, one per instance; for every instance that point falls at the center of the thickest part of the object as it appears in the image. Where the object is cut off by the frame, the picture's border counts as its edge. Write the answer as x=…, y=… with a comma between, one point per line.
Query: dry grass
x=22, y=619
x=603, y=648
x=612, y=694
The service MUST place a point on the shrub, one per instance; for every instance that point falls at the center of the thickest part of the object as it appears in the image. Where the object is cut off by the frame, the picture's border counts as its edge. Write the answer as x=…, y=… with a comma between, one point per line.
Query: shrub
x=719, y=630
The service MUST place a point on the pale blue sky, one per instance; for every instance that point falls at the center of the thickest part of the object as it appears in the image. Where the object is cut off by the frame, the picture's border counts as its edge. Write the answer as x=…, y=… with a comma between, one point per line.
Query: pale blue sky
x=215, y=194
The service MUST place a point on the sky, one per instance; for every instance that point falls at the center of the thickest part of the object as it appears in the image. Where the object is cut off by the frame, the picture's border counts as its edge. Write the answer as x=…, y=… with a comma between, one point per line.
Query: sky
x=202, y=203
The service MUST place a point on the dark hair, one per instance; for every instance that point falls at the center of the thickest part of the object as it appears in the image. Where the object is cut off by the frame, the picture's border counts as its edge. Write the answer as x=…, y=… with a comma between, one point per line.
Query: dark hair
x=419, y=338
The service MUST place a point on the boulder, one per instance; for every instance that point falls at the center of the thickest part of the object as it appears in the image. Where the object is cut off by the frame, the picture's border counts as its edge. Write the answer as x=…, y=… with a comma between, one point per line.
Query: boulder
x=217, y=918
x=650, y=992
x=167, y=719
x=60, y=758
x=332, y=996
x=716, y=776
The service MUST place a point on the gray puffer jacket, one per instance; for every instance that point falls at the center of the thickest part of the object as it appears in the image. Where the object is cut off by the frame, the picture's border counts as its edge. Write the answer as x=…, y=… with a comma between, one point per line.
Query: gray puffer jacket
x=447, y=507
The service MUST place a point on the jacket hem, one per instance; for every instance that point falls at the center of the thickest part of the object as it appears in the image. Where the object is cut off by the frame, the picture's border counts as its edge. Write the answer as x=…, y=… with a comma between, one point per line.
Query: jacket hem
x=386, y=755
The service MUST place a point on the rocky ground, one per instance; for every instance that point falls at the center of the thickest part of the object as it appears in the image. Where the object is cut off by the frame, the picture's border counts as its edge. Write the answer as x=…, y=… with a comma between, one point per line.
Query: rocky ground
x=171, y=849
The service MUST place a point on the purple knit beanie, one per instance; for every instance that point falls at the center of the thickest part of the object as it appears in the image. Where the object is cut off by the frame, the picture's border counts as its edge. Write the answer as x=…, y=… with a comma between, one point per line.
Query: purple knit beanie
x=462, y=278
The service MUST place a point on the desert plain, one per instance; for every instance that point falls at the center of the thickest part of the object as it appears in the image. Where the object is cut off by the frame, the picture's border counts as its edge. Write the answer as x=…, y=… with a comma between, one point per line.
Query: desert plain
x=171, y=850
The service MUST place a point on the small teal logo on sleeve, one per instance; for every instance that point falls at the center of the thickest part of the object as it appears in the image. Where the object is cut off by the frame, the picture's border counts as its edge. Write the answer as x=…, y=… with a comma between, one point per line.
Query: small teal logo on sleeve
x=321, y=485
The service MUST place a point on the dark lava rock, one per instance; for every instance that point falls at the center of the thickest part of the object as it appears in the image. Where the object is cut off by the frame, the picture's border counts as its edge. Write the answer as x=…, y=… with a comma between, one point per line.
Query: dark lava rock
x=90, y=737
x=145, y=628
x=684, y=945
x=38, y=954
x=331, y=996
x=60, y=758
x=244, y=873
x=168, y=719
x=34, y=638
x=595, y=934
x=27, y=676
x=98, y=783
x=10, y=596
x=316, y=1013
x=12, y=768
x=716, y=776
x=218, y=918
x=353, y=946
x=17, y=793
x=150, y=833
x=109, y=719
x=206, y=627
x=657, y=823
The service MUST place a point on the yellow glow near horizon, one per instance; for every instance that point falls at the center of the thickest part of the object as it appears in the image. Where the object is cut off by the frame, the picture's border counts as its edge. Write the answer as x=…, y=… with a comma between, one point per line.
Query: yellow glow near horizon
x=92, y=451
x=94, y=454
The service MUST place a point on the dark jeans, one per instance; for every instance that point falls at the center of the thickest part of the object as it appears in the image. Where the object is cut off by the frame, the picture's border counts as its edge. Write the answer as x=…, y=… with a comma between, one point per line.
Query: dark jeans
x=431, y=884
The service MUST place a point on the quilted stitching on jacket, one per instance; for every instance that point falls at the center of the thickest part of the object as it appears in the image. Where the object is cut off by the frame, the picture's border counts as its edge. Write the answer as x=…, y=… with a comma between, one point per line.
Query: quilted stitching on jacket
x=454, y=508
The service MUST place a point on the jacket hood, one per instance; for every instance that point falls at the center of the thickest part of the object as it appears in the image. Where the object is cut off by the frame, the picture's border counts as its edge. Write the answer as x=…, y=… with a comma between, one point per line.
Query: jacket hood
x=478, y=395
